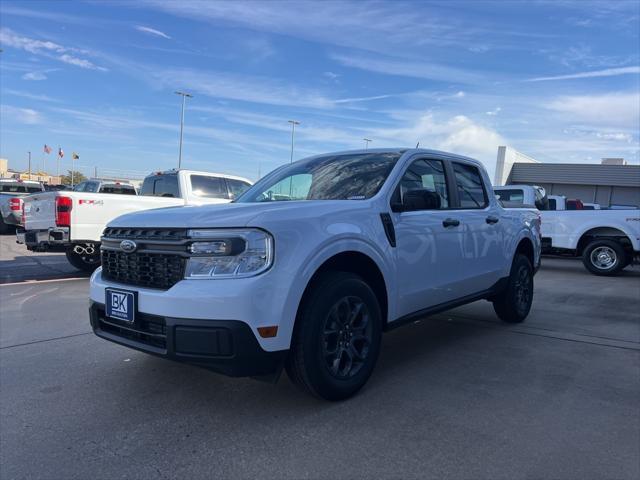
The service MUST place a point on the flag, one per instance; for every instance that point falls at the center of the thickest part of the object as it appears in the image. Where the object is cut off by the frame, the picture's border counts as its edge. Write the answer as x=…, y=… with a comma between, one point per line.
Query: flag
x=75, y=156
x=47, y=149
x=60, y=153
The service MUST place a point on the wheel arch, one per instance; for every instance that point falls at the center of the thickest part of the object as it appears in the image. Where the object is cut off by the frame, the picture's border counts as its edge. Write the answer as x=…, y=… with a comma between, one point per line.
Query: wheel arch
x=606, y=232
x=359, y=263
x=525, y=247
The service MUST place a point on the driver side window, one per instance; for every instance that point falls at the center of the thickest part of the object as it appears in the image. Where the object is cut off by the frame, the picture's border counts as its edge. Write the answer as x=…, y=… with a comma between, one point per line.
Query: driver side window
x=428, y=178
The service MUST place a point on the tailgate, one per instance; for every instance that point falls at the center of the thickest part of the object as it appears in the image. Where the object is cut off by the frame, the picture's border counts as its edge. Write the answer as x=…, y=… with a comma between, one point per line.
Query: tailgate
x=40, y=211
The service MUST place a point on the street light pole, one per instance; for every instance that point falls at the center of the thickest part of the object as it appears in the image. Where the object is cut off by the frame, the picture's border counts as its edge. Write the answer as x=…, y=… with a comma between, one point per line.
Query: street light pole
x=366, y=143
x=293, y=130
x=29, y=165
x=184, y=97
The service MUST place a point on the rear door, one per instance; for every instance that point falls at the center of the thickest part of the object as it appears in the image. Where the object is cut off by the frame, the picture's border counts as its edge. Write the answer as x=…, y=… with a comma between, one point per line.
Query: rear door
x=483, y=244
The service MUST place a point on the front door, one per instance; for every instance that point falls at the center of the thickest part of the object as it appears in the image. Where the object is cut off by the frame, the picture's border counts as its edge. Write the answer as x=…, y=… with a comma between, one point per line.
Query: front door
x=429, y=246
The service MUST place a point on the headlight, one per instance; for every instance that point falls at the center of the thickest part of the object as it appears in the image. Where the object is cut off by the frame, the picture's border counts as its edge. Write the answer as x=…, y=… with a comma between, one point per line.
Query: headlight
x=229, y=253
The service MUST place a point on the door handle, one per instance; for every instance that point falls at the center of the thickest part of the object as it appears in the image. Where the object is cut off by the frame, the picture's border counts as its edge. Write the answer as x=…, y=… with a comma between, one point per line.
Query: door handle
x=491, y=220
x=450, y=222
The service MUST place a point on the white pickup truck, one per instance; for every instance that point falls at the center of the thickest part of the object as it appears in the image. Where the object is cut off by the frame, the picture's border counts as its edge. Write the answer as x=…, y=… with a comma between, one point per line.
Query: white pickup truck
x=12, y=191
x=311, y=264
x=607, y=240
x=73, y=221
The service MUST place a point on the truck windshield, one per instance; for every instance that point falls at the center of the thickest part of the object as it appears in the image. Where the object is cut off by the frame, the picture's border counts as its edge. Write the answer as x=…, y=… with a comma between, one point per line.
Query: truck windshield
x=333, y=177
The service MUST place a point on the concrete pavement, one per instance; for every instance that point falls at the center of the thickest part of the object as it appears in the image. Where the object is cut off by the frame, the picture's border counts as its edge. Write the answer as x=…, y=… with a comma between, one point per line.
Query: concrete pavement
x=457, y=395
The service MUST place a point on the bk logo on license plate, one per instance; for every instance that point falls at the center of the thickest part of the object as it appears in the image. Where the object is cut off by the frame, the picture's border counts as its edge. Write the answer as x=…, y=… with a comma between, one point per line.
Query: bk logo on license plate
x=120, y=304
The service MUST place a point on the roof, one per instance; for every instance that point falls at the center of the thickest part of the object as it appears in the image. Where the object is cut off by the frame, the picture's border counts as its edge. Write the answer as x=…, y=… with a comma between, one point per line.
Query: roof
x=576, y=174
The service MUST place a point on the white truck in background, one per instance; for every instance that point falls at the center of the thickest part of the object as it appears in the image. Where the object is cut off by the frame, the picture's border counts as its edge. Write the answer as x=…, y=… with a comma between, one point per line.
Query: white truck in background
x=12, y=191
x=73, y=221
x=607, y=240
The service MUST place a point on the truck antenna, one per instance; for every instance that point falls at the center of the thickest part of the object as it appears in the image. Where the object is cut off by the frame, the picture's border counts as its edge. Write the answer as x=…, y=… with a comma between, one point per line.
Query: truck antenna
x=418, y=145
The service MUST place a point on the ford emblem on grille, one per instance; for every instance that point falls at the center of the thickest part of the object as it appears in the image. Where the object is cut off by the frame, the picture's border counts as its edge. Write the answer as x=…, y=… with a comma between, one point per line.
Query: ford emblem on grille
x=128, y=246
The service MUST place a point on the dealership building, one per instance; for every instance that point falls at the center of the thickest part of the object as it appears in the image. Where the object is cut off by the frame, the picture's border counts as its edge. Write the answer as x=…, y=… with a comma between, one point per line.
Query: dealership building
x=611, y=183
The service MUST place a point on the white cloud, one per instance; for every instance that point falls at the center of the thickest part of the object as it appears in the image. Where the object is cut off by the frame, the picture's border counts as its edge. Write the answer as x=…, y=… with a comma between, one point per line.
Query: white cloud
x=20, y=115
x=79, y=62
x=494, y=112
x=407, y=68
x=152, y=31
x=30, y=96
x=458, y=134
x=365, y=99
x=613, y=109
x=617, y=136
x=47, y=49
x=609, y=72
x=331, y=75
x=34, y=76
x=240, y=87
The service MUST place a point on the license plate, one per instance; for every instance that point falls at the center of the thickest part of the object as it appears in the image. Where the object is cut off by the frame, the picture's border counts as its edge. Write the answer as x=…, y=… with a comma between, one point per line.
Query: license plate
x=120, y=304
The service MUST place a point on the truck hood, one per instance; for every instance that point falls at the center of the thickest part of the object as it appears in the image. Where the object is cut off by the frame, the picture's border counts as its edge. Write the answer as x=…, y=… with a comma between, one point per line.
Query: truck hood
x=229, y=214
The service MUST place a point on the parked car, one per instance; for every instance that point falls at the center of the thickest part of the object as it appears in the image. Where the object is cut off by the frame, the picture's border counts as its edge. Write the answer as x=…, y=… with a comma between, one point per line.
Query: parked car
x=11, y=192
x=73, y=221
x=105, y=186
x=312, y=264
x=606, y=240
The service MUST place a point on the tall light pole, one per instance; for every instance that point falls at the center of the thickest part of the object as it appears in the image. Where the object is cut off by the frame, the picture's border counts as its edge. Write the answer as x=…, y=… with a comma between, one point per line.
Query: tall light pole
x=293, y=130
x=366, y=143
x=184, y=97
x=29, y=165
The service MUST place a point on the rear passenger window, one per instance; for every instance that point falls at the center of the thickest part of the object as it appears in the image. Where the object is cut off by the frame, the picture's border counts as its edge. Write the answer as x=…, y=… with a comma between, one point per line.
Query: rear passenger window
x=212, y=187
x=428, y=175
x=470, y=187
x=237, y=187
x=161, y=186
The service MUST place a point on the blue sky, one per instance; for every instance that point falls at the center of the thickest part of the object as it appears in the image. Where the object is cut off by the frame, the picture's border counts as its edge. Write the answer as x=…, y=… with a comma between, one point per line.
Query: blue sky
x=557, y=80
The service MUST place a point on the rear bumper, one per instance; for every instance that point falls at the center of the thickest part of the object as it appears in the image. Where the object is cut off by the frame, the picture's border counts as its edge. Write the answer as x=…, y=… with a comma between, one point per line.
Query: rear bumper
x=56, y=239
x=224, y=346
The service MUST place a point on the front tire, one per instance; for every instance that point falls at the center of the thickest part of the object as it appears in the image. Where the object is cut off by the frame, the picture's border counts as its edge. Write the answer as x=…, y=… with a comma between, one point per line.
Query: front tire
x=337, y=337
x=604, y=257
x=514, y=303
x=86, y=262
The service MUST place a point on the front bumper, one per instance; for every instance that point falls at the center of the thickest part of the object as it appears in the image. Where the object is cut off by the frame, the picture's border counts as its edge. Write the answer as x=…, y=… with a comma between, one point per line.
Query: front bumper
x=224, y=346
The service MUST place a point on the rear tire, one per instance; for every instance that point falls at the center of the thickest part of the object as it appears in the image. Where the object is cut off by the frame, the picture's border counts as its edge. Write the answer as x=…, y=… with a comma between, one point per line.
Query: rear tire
x=604, y=257
x=336, y=340
x=84, y=262
x=514, y=303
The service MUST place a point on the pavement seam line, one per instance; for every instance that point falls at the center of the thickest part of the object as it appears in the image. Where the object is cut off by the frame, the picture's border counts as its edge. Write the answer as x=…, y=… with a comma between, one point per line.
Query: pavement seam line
x=44, y=341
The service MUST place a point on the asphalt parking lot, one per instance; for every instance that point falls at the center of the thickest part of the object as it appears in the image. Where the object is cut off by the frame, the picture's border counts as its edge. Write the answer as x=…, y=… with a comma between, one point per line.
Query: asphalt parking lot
x=457, y=395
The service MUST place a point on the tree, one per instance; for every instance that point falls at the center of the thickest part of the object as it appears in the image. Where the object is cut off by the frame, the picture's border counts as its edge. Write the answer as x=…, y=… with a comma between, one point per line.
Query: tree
x=77, y=178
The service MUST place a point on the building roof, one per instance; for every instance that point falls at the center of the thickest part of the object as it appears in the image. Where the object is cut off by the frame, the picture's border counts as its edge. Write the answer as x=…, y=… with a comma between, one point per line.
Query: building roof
x=576, y=173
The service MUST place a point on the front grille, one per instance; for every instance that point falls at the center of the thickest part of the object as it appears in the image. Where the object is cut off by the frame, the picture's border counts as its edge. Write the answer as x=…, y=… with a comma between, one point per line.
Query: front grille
x=158, y=262
x=147, y=329
x=153, y=270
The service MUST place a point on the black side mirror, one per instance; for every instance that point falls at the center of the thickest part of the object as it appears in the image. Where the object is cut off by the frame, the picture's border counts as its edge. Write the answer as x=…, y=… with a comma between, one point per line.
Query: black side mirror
x=420, y=199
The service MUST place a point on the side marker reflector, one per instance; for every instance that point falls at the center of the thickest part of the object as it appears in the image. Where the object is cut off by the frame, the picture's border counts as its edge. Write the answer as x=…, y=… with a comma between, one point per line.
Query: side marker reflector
x=268, y=332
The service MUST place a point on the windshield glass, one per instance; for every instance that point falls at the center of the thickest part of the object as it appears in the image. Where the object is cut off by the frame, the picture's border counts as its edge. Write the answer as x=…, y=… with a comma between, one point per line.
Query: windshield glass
x=333, y=177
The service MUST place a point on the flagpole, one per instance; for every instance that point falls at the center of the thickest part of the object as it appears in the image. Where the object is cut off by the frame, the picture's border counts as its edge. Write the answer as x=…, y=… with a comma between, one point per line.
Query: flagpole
x=58, y=163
